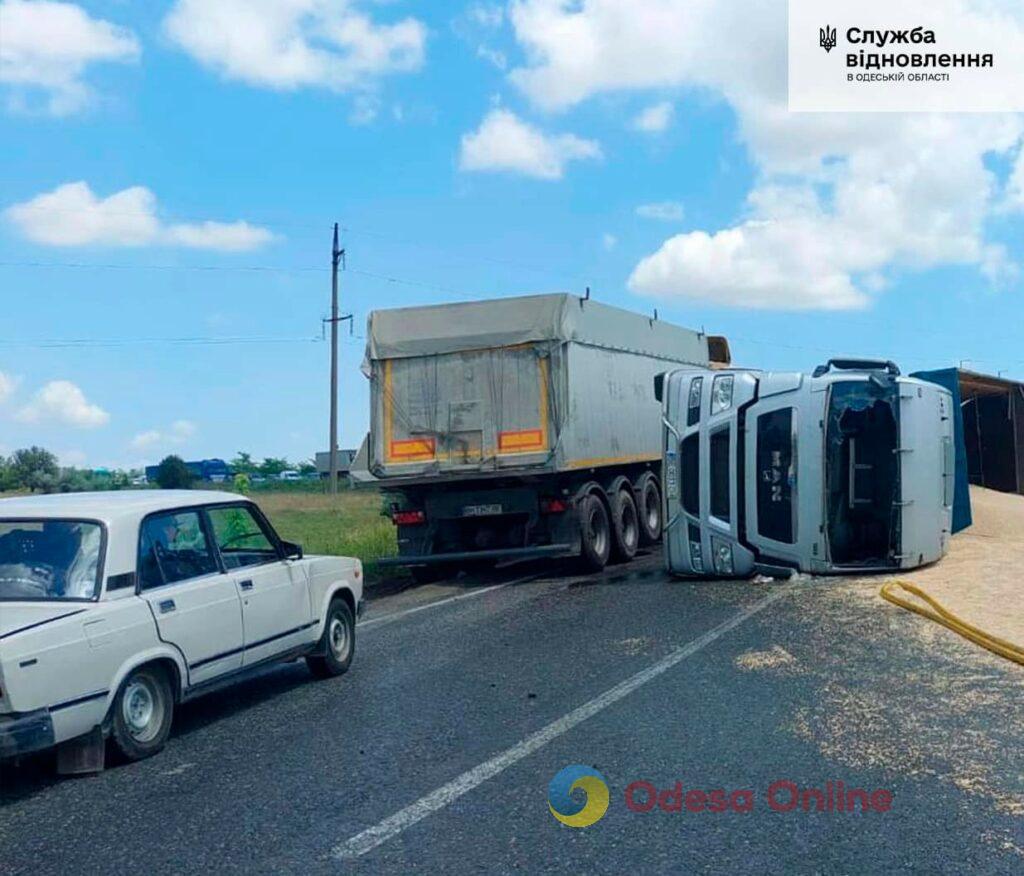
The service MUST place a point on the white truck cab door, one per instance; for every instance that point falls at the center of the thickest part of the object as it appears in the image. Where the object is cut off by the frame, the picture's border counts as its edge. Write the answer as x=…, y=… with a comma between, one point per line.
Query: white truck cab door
x=274, y=592
x=196, y=605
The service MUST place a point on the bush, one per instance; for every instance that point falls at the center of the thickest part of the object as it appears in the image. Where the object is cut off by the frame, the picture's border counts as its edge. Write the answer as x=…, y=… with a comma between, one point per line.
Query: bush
x=241, y=482
x=173, y=474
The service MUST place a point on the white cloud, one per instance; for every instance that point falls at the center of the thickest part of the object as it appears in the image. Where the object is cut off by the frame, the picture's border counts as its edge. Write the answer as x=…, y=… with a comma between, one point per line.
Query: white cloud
x=47, y=46
x=61, y=401
x=223, y=236
x=504, y=142
x=72, y=215
x=178, y=433
x=663, y=211
x=655, y=118
x=839, y=198
x=289, y=44
x=7, y=386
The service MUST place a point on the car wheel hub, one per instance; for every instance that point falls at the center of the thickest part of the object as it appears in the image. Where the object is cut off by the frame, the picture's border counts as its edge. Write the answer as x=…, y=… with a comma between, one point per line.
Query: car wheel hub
x=338, y=638
x=142, y=711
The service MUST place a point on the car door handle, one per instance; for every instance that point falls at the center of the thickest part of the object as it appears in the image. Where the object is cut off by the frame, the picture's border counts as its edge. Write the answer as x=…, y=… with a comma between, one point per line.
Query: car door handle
x=167, y=605
x=245, y=585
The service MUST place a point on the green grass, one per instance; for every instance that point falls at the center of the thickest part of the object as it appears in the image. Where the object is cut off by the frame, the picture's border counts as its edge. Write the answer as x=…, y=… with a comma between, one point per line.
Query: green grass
x=349, y=524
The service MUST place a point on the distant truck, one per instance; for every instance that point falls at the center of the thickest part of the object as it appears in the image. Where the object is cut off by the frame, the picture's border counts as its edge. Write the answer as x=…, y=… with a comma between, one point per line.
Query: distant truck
x=519, y=427
x=849, y=469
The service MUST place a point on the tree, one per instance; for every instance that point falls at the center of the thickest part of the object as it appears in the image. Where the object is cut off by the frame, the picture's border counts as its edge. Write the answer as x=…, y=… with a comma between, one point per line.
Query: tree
x=34, y=468
x=173, y=474
x=243, y=463
x=273, y=466
x=307, y=468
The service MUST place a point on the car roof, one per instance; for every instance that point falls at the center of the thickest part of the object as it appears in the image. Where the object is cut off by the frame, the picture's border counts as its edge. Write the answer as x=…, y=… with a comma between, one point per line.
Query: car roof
x=110, y=505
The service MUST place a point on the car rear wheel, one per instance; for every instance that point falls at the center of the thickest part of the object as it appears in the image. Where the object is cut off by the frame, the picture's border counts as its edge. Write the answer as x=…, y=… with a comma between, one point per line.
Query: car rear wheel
x=142, y=714
x=649, y=511
x=625, y=526
x=595, y=533
x=337, y=644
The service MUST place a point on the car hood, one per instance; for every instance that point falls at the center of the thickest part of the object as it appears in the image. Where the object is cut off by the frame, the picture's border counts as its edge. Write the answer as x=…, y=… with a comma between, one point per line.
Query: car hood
x=16, y=617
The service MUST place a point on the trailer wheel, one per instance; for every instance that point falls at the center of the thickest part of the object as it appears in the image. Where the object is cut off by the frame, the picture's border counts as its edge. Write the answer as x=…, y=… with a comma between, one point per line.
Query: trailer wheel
x=595, y=533
x=649, y=511
x=625, y=526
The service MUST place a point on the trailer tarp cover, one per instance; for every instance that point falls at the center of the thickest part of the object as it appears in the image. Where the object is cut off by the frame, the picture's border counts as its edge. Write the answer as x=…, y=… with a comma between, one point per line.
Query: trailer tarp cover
x=505, y=322
x=949, y=378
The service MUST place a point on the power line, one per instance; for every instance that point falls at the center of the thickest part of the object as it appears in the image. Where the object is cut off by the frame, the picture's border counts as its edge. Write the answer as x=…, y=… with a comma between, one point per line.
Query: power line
x=51, y=343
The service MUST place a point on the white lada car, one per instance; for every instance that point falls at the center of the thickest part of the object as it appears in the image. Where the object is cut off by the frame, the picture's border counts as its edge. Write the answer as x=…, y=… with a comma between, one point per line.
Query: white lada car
x=114, y=607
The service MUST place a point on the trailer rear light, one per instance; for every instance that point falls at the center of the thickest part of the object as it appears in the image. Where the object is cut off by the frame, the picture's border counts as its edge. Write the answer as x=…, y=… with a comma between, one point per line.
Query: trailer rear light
x=553, y=506
x=408, y=518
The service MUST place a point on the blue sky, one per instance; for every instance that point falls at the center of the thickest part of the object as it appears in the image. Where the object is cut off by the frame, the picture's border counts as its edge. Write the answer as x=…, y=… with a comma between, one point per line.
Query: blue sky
x=468, y=150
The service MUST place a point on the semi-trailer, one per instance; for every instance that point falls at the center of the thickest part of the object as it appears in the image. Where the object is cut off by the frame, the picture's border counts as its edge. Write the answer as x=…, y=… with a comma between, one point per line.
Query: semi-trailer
x=520, y=427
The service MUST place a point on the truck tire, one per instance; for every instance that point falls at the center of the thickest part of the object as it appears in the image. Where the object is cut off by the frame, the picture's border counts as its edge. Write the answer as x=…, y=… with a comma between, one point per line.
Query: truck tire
x=595, y=533
x=142, y=713
x=625, y=526
x=649, y=512
x=337, y=645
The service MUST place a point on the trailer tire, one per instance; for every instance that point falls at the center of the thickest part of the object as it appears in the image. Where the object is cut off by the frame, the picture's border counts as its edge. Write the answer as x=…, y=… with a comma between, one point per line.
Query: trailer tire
x=649, y=510
x=625, y=525
x=595, y=533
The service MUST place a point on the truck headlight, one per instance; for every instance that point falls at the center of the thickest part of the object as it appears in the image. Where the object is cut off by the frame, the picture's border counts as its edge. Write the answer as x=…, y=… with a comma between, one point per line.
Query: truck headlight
x=721, y=393
x=723, y=557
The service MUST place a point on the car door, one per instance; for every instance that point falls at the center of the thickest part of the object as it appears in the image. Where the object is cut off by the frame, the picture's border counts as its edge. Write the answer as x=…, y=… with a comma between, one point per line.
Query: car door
x=276, y=610
x=196, y=606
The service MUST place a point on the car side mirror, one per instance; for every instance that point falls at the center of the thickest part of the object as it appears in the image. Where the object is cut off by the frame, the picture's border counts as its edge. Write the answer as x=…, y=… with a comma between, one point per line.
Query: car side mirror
x=292, y=551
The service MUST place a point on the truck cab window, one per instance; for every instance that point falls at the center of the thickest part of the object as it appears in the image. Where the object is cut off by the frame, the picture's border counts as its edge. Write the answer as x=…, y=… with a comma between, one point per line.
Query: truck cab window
x=720, y=482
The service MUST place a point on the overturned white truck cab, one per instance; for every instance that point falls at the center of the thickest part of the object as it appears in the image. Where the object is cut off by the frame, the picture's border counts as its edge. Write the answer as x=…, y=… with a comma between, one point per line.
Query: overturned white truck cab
x=849, y=469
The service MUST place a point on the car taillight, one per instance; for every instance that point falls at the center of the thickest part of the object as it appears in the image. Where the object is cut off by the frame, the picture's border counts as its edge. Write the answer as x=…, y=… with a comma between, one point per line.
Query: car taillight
x=408, y=518
x=553, y=506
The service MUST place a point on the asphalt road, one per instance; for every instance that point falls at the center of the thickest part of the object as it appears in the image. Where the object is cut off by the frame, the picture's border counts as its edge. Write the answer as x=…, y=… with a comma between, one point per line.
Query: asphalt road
x=435, y=752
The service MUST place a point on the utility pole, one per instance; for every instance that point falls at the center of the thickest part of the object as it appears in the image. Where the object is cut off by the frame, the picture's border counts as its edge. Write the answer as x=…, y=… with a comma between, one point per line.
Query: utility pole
x=337, y=254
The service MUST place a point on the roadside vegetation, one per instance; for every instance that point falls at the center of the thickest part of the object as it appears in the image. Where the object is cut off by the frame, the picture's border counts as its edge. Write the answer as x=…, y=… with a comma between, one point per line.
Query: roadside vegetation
x=349, y=523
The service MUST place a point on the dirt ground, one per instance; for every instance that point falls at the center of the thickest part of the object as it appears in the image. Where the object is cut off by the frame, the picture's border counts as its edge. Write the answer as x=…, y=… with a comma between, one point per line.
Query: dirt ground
x=980, y=579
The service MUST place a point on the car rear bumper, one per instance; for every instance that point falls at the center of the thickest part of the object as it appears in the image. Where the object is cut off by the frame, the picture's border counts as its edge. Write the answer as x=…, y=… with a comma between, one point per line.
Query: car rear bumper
x=25, y=732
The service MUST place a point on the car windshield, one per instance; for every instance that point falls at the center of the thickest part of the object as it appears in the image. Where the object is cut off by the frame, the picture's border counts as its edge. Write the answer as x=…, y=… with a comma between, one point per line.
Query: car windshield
x=49, y=559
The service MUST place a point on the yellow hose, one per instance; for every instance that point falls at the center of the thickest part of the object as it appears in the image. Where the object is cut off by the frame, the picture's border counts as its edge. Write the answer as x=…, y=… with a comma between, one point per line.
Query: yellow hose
x=943, y=616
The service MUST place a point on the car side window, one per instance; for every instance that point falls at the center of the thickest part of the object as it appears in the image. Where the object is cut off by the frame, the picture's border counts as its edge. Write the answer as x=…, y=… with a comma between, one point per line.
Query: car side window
x=240, y=537
x=173, y=547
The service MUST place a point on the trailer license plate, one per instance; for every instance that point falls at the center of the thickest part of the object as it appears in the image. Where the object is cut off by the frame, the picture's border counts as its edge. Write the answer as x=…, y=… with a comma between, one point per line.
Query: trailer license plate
x=480, y=510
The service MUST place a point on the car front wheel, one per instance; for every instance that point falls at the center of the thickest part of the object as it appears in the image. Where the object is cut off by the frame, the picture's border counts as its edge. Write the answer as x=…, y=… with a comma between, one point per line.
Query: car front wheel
x=143, y=712
x=337, y=645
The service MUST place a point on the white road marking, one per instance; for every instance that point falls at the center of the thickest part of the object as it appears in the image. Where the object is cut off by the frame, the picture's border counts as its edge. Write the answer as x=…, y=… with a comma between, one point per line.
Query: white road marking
x=388, y=618
x=380, y=833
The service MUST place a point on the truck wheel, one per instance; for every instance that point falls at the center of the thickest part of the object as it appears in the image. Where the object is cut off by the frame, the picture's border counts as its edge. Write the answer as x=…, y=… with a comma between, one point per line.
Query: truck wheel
x=649, y=511
x=142, y=713
x=337, y=645
x=595, y=533
x=625, y=526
